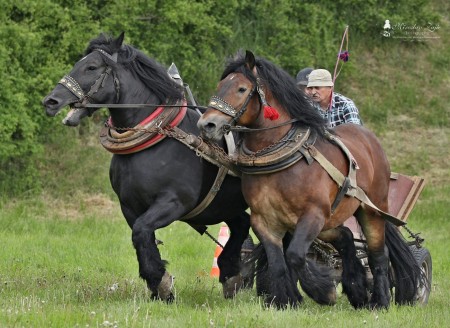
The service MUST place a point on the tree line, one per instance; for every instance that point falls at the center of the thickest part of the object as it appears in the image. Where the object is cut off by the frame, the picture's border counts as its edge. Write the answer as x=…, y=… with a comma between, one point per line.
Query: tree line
x=42, y=39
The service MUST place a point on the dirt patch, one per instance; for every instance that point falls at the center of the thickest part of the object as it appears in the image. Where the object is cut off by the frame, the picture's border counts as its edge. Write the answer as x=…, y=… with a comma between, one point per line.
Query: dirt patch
x=79, y=206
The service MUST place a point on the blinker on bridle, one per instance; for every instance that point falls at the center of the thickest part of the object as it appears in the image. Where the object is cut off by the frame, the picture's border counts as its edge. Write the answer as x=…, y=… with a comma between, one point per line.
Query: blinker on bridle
x=74, y=87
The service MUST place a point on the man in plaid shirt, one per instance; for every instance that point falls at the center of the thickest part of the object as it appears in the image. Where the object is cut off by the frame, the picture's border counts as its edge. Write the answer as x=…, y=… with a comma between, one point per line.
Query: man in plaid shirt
x=334, y=107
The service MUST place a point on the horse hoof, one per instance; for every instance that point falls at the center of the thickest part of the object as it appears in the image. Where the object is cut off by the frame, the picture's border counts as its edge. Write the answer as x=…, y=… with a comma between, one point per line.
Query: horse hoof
x=272, y=302
x=332, y=296
x=165, y=288
x=232, y=285
x=377, y=306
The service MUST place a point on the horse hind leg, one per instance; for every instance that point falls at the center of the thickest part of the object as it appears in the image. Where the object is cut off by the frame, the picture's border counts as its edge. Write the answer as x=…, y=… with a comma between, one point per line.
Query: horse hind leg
x=354, y=279
x=373, y=227
x=229, y=260
x=316, y=281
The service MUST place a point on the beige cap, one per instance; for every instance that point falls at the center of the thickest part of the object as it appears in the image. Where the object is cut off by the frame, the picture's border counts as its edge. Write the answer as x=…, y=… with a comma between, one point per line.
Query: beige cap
x=320, y=78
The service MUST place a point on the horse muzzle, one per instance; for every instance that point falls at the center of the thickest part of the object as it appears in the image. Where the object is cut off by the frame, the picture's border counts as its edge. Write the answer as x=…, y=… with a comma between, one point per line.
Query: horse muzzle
x=210, y=128
x=57, y=99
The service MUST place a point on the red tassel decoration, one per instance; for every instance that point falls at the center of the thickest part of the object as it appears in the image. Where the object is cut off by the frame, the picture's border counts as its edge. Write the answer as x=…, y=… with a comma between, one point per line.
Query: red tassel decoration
x=271, y=113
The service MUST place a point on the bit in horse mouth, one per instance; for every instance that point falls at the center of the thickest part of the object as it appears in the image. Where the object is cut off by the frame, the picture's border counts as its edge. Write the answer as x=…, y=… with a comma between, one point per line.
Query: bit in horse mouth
x=71, y=112
x=74, y=116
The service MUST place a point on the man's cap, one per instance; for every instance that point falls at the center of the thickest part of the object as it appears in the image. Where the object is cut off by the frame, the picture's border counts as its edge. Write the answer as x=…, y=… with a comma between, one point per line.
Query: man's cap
x=320, y=78
x=302, y=76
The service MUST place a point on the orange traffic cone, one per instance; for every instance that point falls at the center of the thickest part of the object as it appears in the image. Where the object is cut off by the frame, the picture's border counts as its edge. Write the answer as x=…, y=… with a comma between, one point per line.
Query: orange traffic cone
x=224, y=235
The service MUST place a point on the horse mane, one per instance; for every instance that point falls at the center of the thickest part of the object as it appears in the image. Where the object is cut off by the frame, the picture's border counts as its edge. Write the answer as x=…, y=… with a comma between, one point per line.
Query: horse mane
x=283, y=88
x=150, y=72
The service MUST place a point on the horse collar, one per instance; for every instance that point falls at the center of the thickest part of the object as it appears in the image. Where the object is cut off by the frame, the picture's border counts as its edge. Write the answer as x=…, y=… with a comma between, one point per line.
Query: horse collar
x=144, y=135
x=277, y=157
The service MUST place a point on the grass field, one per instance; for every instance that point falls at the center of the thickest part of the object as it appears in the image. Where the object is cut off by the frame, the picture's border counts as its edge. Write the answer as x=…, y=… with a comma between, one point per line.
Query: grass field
x=67, y=259
x=61, y=270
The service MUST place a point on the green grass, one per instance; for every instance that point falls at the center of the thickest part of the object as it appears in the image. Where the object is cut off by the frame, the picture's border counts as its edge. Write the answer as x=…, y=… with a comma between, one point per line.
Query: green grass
x=392, y=79
x=66, y=258
x=58, y=271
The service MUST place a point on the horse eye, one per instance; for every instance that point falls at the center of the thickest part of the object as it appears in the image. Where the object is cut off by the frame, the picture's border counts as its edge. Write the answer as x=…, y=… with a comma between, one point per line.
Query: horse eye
x=92, y=68
x=242, y=89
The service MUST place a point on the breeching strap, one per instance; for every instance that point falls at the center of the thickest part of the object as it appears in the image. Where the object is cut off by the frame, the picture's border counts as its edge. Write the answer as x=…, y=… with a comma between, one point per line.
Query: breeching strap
x=353, y=190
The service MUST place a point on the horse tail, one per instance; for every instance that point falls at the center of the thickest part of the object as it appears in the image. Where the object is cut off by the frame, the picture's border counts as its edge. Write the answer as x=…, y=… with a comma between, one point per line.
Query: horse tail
x=407, y=272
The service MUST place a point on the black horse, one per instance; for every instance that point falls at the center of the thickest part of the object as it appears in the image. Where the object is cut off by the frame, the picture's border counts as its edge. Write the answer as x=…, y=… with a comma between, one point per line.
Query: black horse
x=157, y=179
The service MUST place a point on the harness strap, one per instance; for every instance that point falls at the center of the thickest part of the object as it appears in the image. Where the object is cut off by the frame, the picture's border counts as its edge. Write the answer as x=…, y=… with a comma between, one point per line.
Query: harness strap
x=221, y=174
x=231, y=145
x=343, y=190
x=205, y=152
x=353, y=190
x=353, y=166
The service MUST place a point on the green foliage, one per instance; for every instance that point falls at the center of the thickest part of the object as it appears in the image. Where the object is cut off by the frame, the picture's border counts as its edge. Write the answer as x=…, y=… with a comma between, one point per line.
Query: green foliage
x=43, y=39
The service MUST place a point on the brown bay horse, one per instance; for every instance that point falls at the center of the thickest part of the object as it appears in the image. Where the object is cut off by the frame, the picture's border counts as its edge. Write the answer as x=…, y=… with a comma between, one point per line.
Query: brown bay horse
x=298, y=196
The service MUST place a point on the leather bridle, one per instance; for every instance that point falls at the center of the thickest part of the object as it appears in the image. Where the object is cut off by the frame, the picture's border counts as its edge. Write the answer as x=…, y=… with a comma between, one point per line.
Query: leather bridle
x=84, y=99
x=226, y=108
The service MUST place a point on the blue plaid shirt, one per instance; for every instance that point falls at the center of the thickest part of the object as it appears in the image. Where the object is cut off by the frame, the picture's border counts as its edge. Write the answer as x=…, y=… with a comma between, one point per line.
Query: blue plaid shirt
x=343, y=110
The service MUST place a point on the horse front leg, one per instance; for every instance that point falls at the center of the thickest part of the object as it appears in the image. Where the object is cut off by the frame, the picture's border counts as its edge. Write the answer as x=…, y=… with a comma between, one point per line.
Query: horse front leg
x=354, y=279
x=283, y=290
x=151, y=267
x=229, y=260
x=315, y=281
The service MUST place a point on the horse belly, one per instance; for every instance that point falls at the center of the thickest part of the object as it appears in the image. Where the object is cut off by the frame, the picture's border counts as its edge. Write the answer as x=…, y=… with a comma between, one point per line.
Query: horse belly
x=269, y=204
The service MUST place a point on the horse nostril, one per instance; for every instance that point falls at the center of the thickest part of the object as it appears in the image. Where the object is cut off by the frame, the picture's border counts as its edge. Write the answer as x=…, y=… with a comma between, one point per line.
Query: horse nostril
x=210, y=126
x=49, y=102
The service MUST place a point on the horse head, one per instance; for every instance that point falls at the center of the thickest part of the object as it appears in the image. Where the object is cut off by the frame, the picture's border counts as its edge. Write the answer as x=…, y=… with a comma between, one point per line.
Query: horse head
x=91, y=80
x=235, y=101
x=254, y=93
x=111, y=73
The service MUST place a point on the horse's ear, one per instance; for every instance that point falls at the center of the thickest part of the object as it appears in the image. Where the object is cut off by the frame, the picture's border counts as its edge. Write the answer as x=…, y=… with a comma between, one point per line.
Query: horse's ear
x=118, y=42
x=250, y=59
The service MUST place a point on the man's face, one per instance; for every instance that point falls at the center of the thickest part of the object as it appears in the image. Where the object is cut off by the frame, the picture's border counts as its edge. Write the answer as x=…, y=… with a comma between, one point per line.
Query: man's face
x=320, y=95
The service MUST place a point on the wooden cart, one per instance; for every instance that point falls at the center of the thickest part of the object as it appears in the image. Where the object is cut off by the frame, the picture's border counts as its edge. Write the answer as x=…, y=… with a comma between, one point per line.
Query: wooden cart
x=403, y=194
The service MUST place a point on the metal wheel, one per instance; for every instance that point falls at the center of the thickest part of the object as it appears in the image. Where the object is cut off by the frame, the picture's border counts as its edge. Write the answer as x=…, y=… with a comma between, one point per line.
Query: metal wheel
x=423, y=258
x=247, y=269
x=262, y=281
